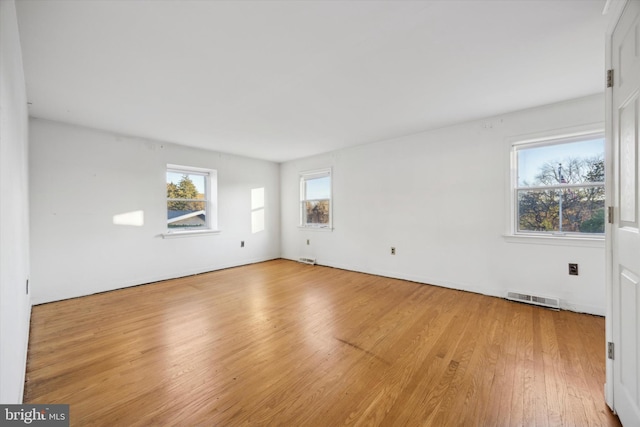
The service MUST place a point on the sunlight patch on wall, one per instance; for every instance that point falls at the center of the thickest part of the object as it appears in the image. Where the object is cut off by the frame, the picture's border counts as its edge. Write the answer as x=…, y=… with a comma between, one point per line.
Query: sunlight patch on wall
x=134, y=218
x=257, y=210
x=257, y=221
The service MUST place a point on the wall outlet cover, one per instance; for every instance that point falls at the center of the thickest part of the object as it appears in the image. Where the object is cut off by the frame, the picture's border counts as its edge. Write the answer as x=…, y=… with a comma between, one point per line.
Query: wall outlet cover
x=573, y=269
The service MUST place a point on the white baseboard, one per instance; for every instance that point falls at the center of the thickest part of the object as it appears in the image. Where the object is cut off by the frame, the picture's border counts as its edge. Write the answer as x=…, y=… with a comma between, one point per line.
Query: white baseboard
x=26, y=354
x=494, y=292
x=151, y=279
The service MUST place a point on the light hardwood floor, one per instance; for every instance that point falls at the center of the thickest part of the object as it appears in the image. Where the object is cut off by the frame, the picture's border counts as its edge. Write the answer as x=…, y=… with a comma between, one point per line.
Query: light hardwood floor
x=283, y=343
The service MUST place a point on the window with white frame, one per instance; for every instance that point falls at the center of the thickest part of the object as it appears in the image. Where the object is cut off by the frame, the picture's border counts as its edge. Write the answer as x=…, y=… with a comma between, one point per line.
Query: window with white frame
x=315, y=199
x=558, y=186
x=191, y=196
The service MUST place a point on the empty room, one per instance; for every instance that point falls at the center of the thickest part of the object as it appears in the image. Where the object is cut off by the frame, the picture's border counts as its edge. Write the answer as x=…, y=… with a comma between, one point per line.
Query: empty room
x=319, y=213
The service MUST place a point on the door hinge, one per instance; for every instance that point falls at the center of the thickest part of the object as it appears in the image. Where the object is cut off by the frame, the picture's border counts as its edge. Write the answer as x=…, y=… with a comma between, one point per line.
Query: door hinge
x=610, y=350
x=610, y=78
x=610, y=214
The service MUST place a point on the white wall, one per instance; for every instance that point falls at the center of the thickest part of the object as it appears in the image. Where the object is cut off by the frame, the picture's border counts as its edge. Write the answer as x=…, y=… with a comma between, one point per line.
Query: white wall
x=441, y=198
x=81, y=178
x=15, y=306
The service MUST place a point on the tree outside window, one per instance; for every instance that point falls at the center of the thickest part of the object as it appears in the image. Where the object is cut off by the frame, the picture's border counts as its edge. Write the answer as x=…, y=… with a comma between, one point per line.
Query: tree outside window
x=560, y=186
x=315, y=199
x=187, y=201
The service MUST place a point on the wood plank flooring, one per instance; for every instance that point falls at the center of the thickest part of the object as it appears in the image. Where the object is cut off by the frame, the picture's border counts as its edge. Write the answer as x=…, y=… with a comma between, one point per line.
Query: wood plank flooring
x=283, y=343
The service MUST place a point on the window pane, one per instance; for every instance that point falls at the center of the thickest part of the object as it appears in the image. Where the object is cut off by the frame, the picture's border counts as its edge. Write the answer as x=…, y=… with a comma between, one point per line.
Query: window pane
x=581, y=209
x=185, y=186
x=538, y=210
x=317, y=212
x=186, y=214
x=318, y=188
x=572, y=163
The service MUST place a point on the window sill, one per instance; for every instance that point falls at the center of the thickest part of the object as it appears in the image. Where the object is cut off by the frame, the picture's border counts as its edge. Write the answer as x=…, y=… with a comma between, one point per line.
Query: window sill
x=312, y=228
x=587, y=242
x=188, y=233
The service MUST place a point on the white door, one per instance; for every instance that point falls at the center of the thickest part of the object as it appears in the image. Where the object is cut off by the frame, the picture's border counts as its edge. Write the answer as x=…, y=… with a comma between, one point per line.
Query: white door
x=625, y=238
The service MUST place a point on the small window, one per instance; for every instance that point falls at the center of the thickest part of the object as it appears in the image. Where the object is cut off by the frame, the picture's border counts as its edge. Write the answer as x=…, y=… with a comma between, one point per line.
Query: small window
x=559, y=186
x=189, y=198
x=315, y=199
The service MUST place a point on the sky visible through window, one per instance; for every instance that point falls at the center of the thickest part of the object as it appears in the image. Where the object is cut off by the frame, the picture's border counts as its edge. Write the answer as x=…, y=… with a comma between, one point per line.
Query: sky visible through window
x=318, y=188
x=530, y=160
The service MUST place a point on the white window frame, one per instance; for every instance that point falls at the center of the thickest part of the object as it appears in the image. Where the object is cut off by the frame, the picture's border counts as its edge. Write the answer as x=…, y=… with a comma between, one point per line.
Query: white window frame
x=540, y=140
x=211, y=202
x=308, y=175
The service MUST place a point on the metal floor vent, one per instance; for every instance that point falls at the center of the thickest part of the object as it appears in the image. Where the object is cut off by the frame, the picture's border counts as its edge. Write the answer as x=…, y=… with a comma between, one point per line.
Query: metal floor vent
x=310, y=261
x=535, y=300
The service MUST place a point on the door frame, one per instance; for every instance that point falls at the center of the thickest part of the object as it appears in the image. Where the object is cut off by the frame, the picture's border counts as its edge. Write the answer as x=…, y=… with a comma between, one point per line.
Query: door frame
x=614, y=9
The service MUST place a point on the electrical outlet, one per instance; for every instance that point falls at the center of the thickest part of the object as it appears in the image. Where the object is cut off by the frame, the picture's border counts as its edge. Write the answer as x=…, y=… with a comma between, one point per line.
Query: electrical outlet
x=307, y=242
x=393, y=250
x=573, y=269
x=242, y=243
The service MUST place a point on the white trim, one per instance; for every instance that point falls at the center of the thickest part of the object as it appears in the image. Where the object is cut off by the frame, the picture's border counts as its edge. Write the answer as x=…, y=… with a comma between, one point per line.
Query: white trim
x=195, y=170
x=565, y=136
x=317, y=173
x=556, y=240
x=613, y=9
x=561, y=186
x=315, y=228
x=557, y=134
x=26, y=348
x=467, y=287
x=309, y=175
x=211, y=194
x=188, y=233
x=551, y=137
x=145, y=280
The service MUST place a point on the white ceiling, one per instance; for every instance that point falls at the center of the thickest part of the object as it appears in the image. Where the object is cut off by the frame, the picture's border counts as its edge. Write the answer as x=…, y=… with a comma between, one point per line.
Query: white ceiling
x=280, y=80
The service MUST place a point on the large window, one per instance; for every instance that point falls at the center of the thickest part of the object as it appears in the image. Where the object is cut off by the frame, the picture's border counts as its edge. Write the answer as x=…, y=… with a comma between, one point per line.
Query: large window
x=315, y=199
x=559, y=186
x=190, y=203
